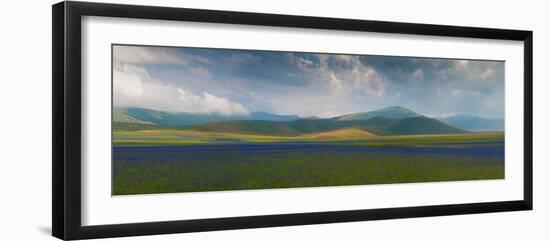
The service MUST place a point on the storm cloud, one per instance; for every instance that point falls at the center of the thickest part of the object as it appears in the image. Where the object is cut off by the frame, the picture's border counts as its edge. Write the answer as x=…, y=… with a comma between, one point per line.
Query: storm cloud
x=242, y=81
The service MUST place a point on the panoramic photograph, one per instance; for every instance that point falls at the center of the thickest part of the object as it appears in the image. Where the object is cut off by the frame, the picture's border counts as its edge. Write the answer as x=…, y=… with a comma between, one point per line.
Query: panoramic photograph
x=187, y=119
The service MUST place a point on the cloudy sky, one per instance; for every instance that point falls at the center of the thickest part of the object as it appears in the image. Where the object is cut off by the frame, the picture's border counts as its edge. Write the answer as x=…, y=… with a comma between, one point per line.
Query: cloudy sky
x=325, y=85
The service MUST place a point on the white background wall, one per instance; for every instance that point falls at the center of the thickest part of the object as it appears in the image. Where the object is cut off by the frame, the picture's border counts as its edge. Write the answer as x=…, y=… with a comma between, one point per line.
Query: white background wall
x=25, y=120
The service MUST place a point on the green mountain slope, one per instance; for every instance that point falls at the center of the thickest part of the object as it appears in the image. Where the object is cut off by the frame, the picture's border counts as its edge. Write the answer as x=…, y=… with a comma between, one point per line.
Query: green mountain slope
x=421, y=125
x=376, y=125
x=120, y=116
x=150, y=116
x=388, y=121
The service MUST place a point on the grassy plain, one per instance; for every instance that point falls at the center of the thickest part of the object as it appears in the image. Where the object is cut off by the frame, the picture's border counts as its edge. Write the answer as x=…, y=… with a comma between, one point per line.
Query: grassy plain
x=168, y=160
x=186, y=137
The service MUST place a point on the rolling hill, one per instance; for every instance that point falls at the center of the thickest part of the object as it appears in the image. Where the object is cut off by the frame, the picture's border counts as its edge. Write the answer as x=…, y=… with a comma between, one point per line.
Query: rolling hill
x=149, y=116
x=387, y=121
x=474, y=123
x=421, y=125
x=339, y=134
x=275, y=128
x=376, y=125
x=120, y=116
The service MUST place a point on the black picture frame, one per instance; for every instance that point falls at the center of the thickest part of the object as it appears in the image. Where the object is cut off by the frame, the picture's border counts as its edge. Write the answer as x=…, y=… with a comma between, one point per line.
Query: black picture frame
x=66, y=158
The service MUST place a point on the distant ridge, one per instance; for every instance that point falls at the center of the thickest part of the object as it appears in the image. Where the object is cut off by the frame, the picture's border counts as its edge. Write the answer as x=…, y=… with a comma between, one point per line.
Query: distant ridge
x=474, y=123
x=393, y=112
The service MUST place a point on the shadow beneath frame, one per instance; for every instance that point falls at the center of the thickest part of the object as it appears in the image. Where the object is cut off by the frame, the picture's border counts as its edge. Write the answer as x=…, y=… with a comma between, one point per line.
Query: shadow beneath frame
x=45, y=230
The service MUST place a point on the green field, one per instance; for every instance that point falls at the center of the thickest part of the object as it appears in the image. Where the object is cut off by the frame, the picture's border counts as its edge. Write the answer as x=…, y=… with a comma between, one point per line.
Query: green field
x=172, y=160
x=145, y=137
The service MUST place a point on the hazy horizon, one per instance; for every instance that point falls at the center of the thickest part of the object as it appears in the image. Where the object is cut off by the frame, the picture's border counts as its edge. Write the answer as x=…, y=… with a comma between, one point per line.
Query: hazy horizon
x=239, y=82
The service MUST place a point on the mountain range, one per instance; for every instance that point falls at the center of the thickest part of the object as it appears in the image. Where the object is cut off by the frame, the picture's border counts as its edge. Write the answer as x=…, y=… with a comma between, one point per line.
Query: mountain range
x=392, y=112
x=393, y=120
x=374, y=125
x=149, y=116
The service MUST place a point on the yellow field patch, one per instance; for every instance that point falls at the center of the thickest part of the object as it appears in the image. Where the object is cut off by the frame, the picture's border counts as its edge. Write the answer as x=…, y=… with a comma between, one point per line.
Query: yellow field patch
x=350, y=133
